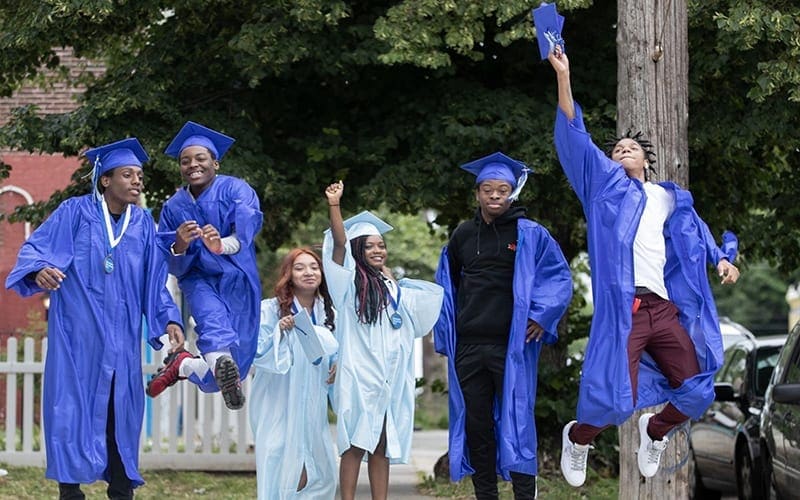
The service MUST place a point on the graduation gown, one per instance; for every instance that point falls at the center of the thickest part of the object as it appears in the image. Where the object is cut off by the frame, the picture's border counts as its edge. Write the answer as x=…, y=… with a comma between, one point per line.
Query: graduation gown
x=375, y=375
x=94, y=334
x=223, y=291
x=613, y=204
x=289, y=412
x=542, y=288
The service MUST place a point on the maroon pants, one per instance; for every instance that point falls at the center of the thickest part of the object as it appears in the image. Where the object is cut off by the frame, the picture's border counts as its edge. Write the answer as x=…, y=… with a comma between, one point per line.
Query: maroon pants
x=657, y=331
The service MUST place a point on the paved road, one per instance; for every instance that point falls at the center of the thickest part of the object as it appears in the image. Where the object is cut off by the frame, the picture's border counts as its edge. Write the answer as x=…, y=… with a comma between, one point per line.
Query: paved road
x=426, y=448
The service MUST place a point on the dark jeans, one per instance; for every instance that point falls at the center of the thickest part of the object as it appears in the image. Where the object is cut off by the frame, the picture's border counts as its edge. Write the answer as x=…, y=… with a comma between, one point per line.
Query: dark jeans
x=480, y=371
x=657, y=331
x=119, y=486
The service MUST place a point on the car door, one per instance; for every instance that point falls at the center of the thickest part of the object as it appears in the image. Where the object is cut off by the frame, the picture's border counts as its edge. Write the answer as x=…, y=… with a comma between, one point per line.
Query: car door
x=786, y=425
x=714, y=436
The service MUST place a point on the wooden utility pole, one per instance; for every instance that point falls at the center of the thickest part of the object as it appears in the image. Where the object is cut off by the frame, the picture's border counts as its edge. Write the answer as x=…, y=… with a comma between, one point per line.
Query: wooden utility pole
x=653, y=96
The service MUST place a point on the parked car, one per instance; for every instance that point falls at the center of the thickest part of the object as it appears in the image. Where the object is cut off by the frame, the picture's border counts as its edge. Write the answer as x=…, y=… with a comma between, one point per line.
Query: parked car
x=724, y=442
x=780, y=424
x=732, y=332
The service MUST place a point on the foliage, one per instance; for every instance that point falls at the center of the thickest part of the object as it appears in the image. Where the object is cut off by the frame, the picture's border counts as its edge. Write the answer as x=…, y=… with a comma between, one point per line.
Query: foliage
x=758, y=301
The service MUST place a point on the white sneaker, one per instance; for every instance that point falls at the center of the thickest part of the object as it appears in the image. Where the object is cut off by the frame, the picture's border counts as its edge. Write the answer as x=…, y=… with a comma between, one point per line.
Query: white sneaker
x=573, y=458
x=649, y=451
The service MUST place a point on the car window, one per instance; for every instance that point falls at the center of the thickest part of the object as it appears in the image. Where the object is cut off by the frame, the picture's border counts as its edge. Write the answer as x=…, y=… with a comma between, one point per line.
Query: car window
x=783, y=367
x=793, y=370
x=766, y=359
x=735, y=371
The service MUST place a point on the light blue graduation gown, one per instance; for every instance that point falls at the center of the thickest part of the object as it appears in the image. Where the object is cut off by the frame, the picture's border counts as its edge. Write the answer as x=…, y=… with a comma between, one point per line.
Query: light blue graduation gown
x=94, y=333
x=289, y=412
x=613, y=204
x=223, y=291
x=375, y=375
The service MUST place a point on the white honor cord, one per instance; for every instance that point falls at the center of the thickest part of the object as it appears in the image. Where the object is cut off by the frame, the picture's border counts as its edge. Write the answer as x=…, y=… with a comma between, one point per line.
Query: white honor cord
x=113, y=241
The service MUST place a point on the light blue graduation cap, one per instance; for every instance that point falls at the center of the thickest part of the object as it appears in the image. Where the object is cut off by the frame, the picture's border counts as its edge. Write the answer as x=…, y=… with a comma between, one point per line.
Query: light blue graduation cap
x=364, y=224
x=548, y=23
x=498, y=166
x=125, y=153
x=194, y=134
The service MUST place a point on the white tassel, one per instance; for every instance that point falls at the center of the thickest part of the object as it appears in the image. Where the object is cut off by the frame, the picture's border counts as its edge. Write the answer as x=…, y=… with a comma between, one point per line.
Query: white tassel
x=520, y=184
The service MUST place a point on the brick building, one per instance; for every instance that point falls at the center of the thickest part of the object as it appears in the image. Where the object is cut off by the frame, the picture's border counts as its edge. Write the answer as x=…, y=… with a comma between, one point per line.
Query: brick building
x=33, y=178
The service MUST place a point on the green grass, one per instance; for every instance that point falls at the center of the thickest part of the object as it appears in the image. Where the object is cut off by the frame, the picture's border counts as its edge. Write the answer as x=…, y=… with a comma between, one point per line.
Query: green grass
x=23, y=483
x=551, y=486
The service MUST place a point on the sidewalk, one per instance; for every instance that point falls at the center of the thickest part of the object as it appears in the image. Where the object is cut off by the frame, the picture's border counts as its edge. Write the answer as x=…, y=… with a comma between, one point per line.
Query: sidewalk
x=426, y=448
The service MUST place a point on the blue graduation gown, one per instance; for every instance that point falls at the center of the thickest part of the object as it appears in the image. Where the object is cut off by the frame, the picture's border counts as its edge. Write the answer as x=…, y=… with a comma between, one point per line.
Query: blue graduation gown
x=542, y=292
x=223, y=291
x=94, y=334
x=613, y=204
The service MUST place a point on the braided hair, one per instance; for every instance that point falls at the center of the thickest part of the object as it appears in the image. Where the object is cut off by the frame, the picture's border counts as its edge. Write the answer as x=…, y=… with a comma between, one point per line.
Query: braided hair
x=284, y=288
x=371, y=291
x=644, y=142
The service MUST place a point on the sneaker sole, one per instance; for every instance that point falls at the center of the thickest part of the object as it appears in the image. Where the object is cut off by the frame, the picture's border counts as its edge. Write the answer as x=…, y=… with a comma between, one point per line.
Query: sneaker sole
x=227, y=377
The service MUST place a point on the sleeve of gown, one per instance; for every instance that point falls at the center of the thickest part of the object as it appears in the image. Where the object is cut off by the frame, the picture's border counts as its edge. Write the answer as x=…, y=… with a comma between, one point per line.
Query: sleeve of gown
x=587, y=168
x=50, y=245
x=159, y=307
x=424, y=302
x=273, y=354
x=248, y=217
x=178, y=265
x=338, y=277
x=713, y=253
x=444, y=329
x=551, y=292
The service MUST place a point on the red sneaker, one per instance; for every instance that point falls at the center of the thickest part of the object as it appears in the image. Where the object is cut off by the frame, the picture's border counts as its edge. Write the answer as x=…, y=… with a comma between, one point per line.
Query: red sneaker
x=226, y=373
x=167, y=375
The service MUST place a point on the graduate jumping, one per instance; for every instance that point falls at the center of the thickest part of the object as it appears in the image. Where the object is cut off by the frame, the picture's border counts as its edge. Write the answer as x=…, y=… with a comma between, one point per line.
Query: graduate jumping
x=655, y=334
x=215, y=219
x=97, y=256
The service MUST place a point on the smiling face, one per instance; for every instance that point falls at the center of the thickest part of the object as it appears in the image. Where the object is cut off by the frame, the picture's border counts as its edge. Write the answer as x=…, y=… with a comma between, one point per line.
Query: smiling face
x=198, y=168
x=306, y=274
x=492, y=196
x=375, y=251
x=631, y=156
x=121, y=186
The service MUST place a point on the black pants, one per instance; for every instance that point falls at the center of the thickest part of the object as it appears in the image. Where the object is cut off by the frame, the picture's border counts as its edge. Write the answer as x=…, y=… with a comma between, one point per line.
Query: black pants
x=119, y=486
x=480, y=370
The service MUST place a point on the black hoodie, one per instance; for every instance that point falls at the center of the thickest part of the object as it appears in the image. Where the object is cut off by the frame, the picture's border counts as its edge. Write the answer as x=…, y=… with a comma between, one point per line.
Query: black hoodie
x=482, y=269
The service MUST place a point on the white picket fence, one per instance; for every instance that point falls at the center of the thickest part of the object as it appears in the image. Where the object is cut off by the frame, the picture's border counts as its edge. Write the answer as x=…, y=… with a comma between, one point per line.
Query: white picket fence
x=184, y=428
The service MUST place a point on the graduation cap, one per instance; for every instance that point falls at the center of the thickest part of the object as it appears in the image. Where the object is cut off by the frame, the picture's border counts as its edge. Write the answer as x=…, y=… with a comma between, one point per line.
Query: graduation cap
x=498, y=166
x=194, y=134
x=125, y=153
x=548, y=23
x=364, y=224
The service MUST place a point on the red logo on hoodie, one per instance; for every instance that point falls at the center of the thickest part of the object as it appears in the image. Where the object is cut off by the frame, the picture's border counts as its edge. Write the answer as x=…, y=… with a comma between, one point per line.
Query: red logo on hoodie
x=512, y=246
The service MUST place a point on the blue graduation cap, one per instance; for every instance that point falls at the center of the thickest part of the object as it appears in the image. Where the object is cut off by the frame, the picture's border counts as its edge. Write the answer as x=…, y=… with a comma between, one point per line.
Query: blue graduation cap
x=548, y=23
x=364, y=224
x=125, y=153
x=194, y=134
x=498, y=166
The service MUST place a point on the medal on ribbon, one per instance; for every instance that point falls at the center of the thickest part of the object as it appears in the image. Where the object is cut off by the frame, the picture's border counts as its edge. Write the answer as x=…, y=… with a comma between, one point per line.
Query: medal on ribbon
x=108, y=264
x=395, y=319
x=113, y=241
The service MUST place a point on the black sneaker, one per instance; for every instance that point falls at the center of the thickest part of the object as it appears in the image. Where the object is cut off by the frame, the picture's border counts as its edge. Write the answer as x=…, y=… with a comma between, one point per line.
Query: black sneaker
x=226, y=373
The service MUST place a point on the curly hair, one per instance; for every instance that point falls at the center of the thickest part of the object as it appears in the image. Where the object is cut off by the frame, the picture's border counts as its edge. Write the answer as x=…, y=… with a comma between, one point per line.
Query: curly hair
x=371, y=291
x=284, y=288
x=644, y=142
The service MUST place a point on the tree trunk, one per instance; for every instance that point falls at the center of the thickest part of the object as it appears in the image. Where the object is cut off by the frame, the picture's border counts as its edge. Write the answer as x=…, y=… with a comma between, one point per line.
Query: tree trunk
x=653, y=96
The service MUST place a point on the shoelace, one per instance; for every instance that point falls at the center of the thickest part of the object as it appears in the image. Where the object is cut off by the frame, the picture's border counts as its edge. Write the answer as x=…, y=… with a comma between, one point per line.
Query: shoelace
x=577, y=457
x=654, y=451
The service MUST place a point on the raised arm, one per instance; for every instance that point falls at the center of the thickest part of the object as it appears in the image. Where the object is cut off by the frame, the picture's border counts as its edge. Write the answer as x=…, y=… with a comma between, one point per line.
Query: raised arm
x=334, y=195
x=560, y=63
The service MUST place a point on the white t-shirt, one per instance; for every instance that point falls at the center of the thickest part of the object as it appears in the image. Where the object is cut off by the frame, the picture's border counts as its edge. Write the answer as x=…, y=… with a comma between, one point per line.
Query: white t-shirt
x=649, y=246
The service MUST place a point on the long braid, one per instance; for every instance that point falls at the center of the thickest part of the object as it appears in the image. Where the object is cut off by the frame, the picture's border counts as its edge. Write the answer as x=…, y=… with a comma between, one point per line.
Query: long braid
x=371, y=291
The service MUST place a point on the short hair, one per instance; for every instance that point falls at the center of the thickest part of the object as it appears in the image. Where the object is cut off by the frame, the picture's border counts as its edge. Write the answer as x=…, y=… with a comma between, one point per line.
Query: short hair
x=644, y=142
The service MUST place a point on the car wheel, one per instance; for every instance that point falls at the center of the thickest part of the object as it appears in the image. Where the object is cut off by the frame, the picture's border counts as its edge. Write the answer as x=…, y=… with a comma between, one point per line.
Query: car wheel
x=768, y=487
x=747, y=478
x=698, y=491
